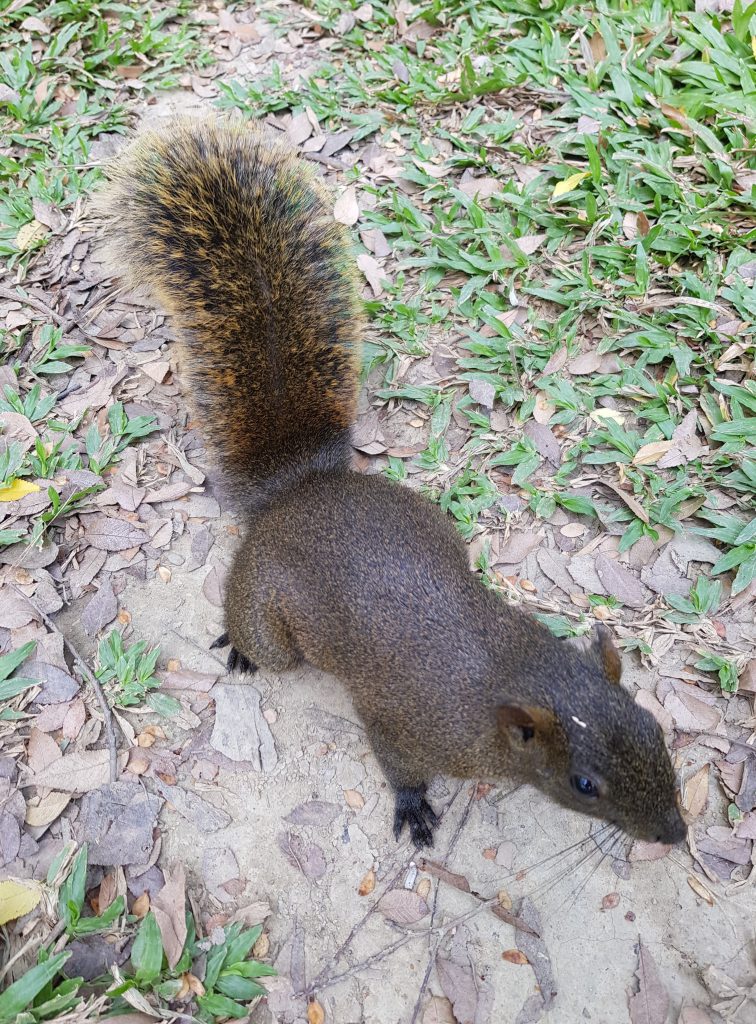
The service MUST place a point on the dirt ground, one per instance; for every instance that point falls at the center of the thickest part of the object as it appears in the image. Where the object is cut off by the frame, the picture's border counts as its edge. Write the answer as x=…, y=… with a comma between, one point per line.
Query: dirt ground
x=292, y=811
x=311, y=822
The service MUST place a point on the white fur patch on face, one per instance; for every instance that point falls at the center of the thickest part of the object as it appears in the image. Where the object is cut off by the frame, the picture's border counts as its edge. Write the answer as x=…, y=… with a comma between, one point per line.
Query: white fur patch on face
x=583, y=725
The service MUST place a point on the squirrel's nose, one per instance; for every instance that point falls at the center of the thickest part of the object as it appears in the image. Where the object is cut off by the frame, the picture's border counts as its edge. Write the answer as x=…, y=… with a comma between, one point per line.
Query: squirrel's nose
x=674, y=832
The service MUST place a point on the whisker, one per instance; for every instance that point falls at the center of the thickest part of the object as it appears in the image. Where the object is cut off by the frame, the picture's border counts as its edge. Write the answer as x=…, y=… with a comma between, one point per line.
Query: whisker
x=565, y=852
x=569, y=869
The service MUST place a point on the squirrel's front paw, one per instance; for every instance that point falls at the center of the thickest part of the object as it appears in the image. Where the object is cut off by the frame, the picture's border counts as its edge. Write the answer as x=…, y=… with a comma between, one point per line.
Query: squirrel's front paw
x=414, y=809
x=236, y=660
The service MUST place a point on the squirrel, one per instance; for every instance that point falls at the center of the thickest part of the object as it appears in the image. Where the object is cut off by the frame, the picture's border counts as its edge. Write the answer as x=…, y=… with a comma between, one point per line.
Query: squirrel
x=356, y=575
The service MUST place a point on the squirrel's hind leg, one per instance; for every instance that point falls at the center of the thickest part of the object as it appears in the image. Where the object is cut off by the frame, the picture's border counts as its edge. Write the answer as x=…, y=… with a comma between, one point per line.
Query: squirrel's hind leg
x=260, y=636
x=236, y=660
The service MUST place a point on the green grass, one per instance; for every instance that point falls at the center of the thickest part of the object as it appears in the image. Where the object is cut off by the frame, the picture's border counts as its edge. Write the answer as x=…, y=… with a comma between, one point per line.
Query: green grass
x=648, y=109
x=46, y=993
x=63, y=70
x=60, y=74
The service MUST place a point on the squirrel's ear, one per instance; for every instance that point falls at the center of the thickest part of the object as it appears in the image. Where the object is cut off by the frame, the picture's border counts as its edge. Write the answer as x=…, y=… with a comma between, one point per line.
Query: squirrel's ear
x=608, y=654
x=526, y=722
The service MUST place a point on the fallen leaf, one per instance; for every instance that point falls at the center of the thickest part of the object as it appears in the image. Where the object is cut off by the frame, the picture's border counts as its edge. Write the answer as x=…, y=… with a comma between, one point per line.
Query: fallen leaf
x=201, y=813
x=46, y=810
x=695, y=792
x=529, y=243
x=15, y=611
x=240, y=731
x=314, y=812
x=587, y=362
x=18, y=489
x=439, y=871
x=170, y=913
x=315, y=1012
x=220, y=866
x=354, y=799
x=58, y=686
x=518, y=546
x=403, y=906
x=460, y=987
x=648, y=454
x=482, y=392
x=117, y=821
x=367, y=884
x=438, y=1010
x=8, y=95
x=10, y=838
x=643, y=851
x=346, y=209
x=17, y=898
x=482, y=188
x=80, y=772
x=610, y=901
x=100, y=610
x=41, y=750
x=619, y=581
x=110, y=534
x=534, y=948
x=650, y=1004
x=306, y=856
x=373, y=271
x=187, y=679
x=141, y=906
x=557, y=360
x=514, y=956
x=568, y=184
x=693, y=1015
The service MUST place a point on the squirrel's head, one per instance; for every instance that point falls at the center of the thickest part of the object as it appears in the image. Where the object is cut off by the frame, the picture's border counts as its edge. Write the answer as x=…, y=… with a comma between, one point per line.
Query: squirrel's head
x=605, y=756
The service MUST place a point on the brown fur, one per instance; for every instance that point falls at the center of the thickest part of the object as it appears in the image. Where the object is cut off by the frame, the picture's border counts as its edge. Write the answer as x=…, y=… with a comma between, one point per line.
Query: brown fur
x=356, y=575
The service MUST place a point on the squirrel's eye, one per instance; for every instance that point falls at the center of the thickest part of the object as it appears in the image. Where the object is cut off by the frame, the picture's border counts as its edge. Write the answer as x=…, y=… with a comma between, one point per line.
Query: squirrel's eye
x=583, y=785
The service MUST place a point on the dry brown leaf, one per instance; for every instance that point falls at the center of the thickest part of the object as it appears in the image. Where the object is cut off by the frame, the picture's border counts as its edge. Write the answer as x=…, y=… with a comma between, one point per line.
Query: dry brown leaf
x=438, y=1011
x=367, y=884
x=79, y=772
x=529, y=243
x=700, y=889
x=650, y=1004
x=597, y=46
x=514, y=956
x=354, y=799
x=315, y=1012
x=543, y=409
x=46, y=810
x=141, y=906
x=584, y=364
x=696, y=792
x=610, y=901
x=459, y=985
x=557, y=360
x=423, y=888
x=649, y=454
x=373, y=271
x=402, y=906
x=169, y=908
x=458, y=881
x=346, y=209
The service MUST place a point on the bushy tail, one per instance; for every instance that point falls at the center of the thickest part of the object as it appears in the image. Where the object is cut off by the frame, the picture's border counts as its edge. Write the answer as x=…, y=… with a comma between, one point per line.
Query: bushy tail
x=234, y=236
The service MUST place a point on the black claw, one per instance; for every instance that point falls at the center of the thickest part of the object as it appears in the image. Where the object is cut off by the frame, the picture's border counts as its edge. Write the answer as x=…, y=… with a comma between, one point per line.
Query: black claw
x=240, y=662
x=222, y=641
x=414, y=809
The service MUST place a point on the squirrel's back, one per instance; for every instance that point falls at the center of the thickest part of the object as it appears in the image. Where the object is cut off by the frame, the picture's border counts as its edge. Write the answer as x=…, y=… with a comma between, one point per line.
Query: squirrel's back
x=235, y=237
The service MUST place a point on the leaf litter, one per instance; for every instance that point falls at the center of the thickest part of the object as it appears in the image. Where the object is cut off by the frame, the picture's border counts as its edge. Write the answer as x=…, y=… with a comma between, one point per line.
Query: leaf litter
x=109, y=542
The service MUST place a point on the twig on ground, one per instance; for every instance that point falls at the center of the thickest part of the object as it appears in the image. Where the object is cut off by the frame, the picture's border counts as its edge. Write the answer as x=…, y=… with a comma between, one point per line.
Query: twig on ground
x=433, y=945
x=90, y=678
